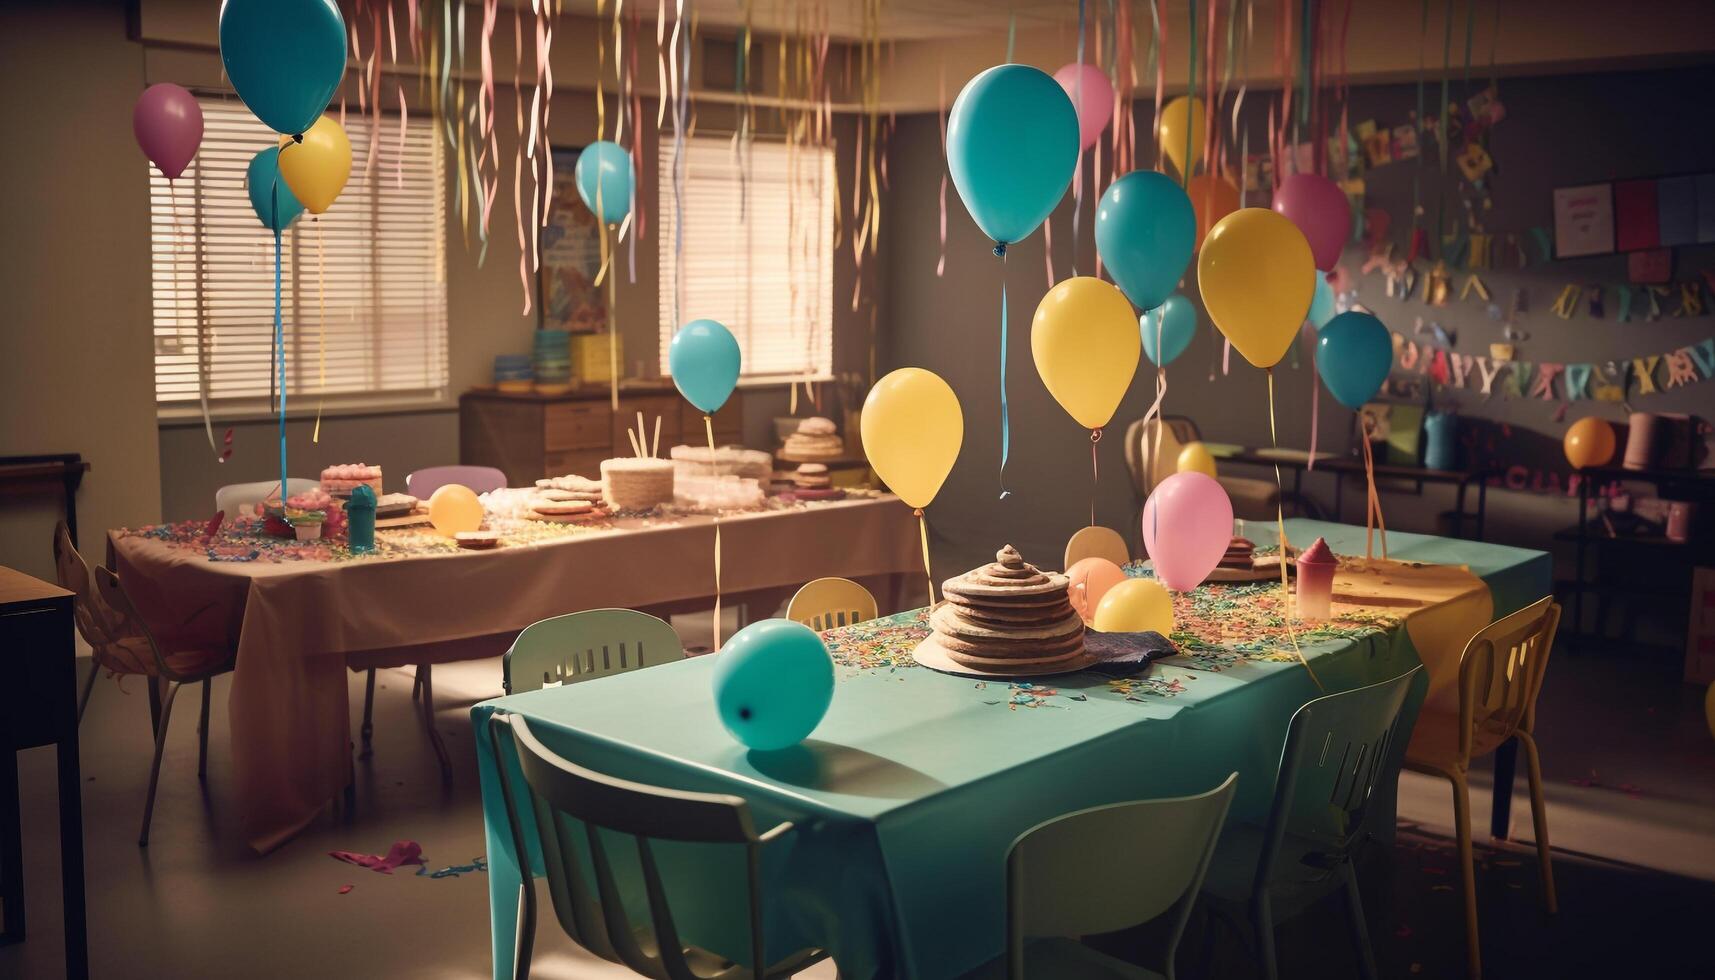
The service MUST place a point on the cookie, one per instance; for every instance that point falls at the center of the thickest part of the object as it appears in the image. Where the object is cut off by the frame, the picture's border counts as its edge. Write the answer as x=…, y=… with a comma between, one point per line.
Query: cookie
x=477, y=540
x=561, y=508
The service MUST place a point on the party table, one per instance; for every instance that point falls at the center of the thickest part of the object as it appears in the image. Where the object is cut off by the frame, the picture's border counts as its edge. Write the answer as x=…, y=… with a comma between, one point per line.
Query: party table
x=907, y=796
x=299, y=617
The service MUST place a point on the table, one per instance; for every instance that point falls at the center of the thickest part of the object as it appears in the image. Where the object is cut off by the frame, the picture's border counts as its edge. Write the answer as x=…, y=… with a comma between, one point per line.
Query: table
x=53, y=473
x=1697, y=486
x=1342, y=467
x=909, y=793
x=299, y=625
x=38, y=707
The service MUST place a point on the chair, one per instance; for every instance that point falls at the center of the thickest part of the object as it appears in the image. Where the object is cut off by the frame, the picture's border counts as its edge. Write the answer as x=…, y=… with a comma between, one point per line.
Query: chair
x=235, y=496
x=1500, y=676
x=828, y=603
x=1330, y=768
x=1054, y=892
x=115, y=643
x=585, y=645
x=172, y=670
x=480, y=479
x=1253, y=500
x=1096, y=541
x=560, y=793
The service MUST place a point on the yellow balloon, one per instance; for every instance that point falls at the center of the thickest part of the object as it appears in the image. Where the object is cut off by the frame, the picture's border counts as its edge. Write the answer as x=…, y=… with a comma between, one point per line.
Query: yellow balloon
x=1589, y=442
x=1086, y=345
x=1257, y=276
x=317, y=168
x=454, y=508
x=1179, y=118
x=912, y=429
x=1136, y=605
x=1196, y=458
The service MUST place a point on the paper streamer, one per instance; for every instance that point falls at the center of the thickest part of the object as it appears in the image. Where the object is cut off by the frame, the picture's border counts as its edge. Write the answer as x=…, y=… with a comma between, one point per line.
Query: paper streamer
x=923, y=536
x=1286, y=603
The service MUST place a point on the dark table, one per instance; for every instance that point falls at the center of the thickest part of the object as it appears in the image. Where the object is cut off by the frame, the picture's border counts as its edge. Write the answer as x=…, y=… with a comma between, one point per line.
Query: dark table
x=1343, y=467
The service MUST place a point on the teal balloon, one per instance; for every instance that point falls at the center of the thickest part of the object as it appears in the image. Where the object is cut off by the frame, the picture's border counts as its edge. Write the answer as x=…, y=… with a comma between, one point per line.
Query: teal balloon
x=1354, y=354
x=1321, y=302
x=1174, y=322
x=603, y=175
x=269, y=196
x=1145, y=233
x=1012, y=144
x=285, y=57
x=773, y=681
x=704, y=360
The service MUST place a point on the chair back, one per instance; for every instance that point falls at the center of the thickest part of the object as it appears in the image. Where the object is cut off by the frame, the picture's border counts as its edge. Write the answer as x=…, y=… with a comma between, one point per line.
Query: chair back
x=103, y=627
x=480, y=479
x=584, y=645
x=1335, y=755
x=107, y=587
x=1500, y=675
x=1053, y=888
x=829, y=603
x=234, y=497
x=1166, y=440
x=1096, y=541
x=570, y=802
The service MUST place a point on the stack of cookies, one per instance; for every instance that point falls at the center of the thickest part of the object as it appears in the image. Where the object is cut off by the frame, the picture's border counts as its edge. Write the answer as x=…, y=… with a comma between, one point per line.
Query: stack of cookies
x=815, y=440
x=341, y=480
x=559, y=506
x=1006, y=619
x=571, y=487
x=637, y=482
x=812, y=482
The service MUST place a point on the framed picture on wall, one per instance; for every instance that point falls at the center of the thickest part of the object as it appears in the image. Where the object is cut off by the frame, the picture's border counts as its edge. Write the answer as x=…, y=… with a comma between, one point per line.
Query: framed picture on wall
x=1583, y=220
x=568, y=298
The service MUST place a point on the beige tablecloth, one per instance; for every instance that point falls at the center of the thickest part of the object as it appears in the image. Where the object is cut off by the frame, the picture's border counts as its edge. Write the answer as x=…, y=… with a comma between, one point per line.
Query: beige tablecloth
x=298, y=626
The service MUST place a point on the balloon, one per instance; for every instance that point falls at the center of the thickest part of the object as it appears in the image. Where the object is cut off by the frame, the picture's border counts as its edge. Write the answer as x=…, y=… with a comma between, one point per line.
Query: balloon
x=912, y=428
x=1088, y=580
x=1354, y=354
x=168, y=124
x=1195, y=458
x=1590, y=442
x=1136, y=605
x=1092, y=97
x=1187, y=525
x=1322, y=302
x=1012, y=144
x=1256, y=275
x=316, y=169
x=1145, y=232
x=1319, y=208
x=1180, y=117
x=454, y=508
x=1085, y=348
x=1212, y=198
x=269, y=196
x=773, y=683
x=1174, y=322
x=704, y=361
x=603, y=176
x=285, y=58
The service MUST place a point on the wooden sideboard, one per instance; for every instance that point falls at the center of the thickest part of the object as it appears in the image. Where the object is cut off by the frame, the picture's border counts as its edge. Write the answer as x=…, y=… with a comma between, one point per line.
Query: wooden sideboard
x=531, y=436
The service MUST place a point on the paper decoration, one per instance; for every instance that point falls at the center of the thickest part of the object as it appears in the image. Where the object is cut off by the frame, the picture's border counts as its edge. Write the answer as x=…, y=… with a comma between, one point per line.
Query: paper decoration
x=1525, y=379
x=1488, y=369
x=1517, y=382
x=1462, y=364
x=1704, y=354
x=1501, y=352
x=1543, y=387
x=1576, y=378
x=1583, y=220
x=1680, y=369
x=1637, y=223
x=1643, y=368
x=1676, y=210
x=1610, y=382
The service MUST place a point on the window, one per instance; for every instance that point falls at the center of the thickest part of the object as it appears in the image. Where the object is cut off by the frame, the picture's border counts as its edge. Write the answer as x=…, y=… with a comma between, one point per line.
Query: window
x=758, y=253
x=371, y=271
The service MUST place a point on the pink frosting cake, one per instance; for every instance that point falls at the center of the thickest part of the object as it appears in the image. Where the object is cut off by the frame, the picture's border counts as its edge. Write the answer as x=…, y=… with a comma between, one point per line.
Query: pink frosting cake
x=342, y=479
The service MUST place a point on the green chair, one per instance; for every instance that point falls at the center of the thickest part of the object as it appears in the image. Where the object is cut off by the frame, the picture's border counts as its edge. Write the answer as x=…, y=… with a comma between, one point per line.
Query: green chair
x=570, y=802
x=1333, y=766
x=581, y=646
x=1054, y=891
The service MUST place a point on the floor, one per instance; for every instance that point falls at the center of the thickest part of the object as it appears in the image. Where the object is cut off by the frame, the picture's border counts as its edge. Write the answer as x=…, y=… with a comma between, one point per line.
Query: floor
x=1629, y=814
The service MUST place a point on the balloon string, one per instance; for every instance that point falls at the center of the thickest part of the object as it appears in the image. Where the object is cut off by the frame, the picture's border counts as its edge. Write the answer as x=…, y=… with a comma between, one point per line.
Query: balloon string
x=1005, y=425
x=321, y=329
x=1372, y=498
x=612, y=334
x=1285, y=547
x=709, y=428
x=279, y=337
x=923, y=536
x=1095, y=473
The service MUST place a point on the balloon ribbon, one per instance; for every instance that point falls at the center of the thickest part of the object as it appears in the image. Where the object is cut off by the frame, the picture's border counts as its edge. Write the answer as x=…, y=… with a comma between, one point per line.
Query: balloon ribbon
x=709, y=427
x=923, y=535
x=1285, y=548
x=1373, y=500
x=279, y=335
x=1095, y=473
x=1005, y=426
x=322, y=326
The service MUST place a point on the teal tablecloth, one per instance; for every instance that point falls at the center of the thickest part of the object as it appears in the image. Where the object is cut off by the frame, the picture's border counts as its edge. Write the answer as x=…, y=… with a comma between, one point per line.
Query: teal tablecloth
x=911, y=790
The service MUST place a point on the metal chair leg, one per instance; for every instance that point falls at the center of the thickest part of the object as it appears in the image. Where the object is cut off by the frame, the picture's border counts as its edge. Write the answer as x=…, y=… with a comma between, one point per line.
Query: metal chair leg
x=1462, y=825
x=202, y=730
x=1263, y=919
x=155, y=767
x=435, y=742
x=1360, y=928
x=153, y=683
x=368, y=715
x=88, y=689
x=1539, y=819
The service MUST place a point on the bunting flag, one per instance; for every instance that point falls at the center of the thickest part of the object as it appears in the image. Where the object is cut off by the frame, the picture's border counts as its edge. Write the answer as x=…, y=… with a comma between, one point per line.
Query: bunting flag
x=1554, y=381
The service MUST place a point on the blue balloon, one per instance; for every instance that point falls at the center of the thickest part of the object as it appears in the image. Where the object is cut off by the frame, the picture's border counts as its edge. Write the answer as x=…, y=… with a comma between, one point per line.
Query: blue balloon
x=1012, y=144
x=269, y=196
x=1321, y=302
x=603, y=175
x=285, y=57
x=773, y=683
x=704, y=360
x=1145, y=232
x=1175, y=321
x=1354, y=354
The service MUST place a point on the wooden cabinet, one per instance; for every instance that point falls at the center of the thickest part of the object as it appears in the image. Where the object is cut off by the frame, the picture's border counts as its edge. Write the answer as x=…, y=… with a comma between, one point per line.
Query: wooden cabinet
x=530, y=436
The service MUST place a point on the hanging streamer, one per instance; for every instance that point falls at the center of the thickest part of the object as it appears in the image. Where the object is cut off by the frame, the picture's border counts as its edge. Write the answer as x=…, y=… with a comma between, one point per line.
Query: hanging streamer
x=1373, y=501
x=709, y=428
x=1286, y=603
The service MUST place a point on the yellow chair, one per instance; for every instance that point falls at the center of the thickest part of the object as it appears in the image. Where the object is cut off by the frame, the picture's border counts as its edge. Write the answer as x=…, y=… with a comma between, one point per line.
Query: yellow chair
x=828, y=603
x=1096, y=541
x=1500, y=675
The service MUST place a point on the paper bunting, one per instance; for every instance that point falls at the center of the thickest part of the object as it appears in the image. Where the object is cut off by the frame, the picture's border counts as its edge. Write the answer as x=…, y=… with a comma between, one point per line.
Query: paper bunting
x=1552, y=380
x=1543, y=387
x=1643, y=368
x=1576, y=377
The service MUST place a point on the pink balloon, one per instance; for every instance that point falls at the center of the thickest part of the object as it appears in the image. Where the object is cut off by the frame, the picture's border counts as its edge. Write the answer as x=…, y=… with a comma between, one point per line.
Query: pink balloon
x=1187, y=525
x=1094, y=102
x=1089, y=580
x=168, y=124
x=1319, y=208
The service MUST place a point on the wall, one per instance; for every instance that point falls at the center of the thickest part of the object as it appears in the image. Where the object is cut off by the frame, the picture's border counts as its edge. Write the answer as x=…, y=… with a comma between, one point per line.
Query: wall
x=1561, y=130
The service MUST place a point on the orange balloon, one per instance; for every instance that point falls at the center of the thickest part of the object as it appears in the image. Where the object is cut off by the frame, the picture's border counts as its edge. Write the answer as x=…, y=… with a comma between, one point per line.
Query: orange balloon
x=1088, y=580
x=1212, y=198
x=1590, y=442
